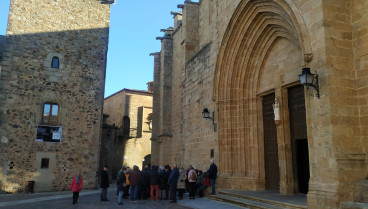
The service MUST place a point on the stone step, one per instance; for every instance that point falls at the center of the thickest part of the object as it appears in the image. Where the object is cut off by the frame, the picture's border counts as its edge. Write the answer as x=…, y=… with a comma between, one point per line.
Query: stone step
x=353, y=205
x=243, y=202
x=264, y=200
x=254, y=201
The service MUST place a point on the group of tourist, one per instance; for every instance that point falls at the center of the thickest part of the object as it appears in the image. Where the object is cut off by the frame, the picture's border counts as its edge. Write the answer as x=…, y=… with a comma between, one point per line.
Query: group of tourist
x=156, y=182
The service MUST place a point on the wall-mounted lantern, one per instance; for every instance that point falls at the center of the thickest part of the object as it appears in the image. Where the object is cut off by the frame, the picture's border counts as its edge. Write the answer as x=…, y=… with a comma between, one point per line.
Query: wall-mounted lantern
x=206, y=114
x=308, y=79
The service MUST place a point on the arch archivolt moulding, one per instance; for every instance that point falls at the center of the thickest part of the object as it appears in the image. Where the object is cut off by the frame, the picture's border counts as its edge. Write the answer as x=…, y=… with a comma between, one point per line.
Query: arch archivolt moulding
x=252, y=23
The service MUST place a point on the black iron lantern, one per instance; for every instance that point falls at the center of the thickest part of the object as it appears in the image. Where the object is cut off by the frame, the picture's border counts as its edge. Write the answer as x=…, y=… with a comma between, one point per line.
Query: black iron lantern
x=308, y=79
x=206, y=113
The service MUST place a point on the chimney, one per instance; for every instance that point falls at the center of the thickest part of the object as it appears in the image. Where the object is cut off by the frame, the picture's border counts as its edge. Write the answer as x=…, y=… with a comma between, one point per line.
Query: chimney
x=150, y=86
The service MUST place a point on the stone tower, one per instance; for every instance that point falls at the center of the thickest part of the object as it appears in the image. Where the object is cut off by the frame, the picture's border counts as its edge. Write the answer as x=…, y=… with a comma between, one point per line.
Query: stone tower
x=51, y=93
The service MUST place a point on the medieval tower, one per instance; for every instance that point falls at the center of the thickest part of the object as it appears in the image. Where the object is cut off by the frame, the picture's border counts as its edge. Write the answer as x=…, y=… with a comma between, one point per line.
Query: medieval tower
x=51, y=93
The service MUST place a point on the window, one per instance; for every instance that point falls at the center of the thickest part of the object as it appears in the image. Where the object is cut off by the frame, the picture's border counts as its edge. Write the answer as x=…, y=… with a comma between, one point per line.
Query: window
x=126, y=126
x=45, y=163
x=55, y=62
x=50, y=114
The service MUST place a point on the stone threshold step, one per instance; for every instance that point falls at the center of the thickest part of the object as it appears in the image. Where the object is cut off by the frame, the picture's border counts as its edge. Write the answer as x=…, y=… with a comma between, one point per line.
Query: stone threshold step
x=270, y=202
x=243, y=202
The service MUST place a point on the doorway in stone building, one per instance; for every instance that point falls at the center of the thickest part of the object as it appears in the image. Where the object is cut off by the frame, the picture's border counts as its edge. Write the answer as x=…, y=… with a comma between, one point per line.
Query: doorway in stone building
x=272, y=172
x=298, y=136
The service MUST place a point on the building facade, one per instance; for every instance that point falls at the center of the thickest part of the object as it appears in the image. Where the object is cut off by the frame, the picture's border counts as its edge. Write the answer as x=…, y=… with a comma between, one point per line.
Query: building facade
x=240, y=60
x=128, y=129
x=51, y=93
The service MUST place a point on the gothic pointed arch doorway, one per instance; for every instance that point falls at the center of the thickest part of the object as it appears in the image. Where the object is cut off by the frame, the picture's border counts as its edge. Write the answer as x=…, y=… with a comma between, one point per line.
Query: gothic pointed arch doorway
x=261, y=55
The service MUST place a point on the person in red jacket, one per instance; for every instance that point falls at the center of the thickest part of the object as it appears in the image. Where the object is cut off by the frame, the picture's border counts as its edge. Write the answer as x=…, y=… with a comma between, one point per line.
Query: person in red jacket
x=76, y=187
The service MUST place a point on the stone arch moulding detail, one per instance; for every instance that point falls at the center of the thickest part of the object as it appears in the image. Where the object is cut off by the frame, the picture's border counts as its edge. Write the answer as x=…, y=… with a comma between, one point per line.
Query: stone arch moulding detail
x=292, y=12
x=252, y=32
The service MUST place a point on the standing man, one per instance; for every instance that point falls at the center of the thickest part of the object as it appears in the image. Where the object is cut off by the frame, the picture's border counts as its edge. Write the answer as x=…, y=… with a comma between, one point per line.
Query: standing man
x=212, y=174
x=173, y=183
x=104, y=183
x=121, y=182
x=145, y=182
x=168, y=172
x=134, y=178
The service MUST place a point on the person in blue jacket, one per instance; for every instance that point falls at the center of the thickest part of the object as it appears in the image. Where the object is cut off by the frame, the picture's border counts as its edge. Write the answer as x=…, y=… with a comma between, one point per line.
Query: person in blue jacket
x=173, y=183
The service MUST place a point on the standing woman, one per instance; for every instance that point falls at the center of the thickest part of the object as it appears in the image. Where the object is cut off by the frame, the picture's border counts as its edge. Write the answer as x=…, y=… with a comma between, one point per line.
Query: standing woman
x=76, y=187
x=192, y=178
x=181, y=182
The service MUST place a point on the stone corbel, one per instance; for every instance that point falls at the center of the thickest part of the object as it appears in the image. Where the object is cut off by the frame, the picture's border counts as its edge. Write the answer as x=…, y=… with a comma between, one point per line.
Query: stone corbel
x=308, y=57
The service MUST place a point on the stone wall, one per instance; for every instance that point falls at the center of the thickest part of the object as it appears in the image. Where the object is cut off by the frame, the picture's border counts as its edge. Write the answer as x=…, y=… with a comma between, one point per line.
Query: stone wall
x=132, y=148
x=111, y=151
x=2, y=46
x=77, y=33
x=360, y=48
x=246, y=50
x=195, y=40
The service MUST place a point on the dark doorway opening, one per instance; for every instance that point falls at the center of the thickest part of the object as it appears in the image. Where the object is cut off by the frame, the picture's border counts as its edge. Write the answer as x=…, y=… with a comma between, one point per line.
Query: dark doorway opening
x=272, y=173
x=299, y=142
x=146, y=161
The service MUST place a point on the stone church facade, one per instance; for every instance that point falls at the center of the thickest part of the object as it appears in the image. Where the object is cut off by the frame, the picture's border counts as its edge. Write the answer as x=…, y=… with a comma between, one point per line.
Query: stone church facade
x=127, y=131
x=240, y=61
x=51, y=93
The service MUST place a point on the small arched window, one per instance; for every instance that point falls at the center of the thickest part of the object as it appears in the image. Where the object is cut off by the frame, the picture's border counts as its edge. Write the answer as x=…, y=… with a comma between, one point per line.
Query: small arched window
x=126, y=126
x=55, y=62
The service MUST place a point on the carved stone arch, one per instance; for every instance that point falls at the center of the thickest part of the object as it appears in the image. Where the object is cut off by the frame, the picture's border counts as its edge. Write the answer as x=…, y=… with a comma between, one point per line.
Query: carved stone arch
x=256, y=26
x=234, y=28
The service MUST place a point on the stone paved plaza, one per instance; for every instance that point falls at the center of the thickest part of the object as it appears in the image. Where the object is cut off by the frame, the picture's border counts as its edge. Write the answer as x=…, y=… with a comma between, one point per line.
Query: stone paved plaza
x=90, y=200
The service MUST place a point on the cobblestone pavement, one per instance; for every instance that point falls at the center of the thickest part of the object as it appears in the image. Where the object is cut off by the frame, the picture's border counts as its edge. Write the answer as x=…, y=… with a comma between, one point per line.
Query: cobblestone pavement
x=205, y=203
x=87, y=200
x=90, y=200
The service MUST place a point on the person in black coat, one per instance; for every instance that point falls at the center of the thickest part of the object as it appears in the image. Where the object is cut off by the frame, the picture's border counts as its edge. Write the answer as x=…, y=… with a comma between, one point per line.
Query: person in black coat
x=154, y=182
x=104, y=183
x=168, y=172
x=173, y=182
x=163, y=181
x=121, y=182
x=145, y=183
x=212, y=175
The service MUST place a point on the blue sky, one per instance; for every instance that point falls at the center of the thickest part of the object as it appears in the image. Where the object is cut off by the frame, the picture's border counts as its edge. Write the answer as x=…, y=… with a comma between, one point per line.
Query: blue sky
x=133, y=30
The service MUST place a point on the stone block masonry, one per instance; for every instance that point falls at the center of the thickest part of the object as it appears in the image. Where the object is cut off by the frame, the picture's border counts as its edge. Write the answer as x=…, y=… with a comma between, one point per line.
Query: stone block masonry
x=130, y=111
x=75, y=34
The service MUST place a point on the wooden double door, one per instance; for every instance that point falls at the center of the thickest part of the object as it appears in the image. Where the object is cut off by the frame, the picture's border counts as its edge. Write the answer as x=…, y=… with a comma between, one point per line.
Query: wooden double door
x=298, y=137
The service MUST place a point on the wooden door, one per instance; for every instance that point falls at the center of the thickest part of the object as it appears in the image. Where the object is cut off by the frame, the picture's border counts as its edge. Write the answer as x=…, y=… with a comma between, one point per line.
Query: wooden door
x=272, y=173
x=299, y=142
